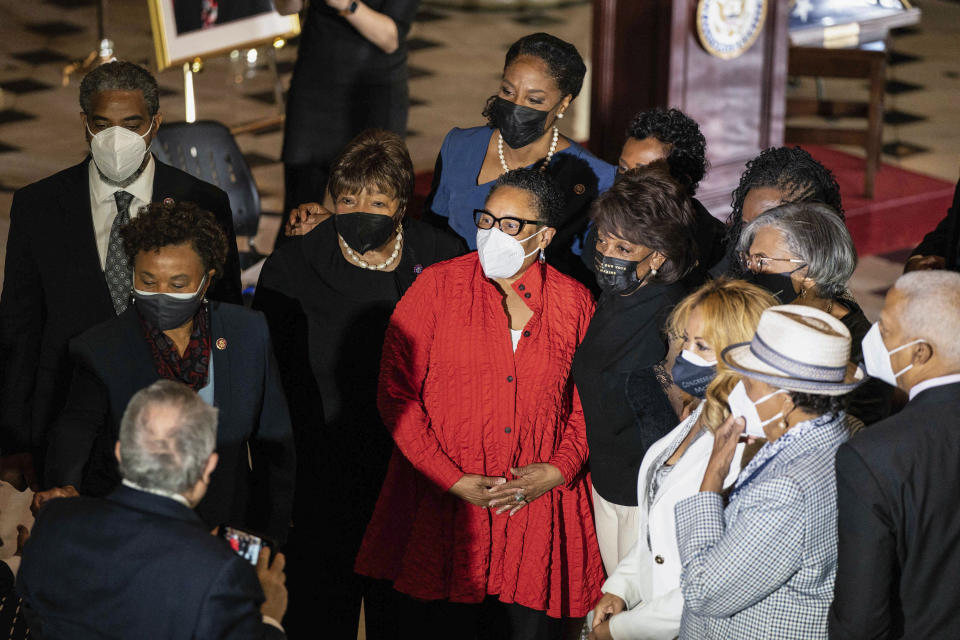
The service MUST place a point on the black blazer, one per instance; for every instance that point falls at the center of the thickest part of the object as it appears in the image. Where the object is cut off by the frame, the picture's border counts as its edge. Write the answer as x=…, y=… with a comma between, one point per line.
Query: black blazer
x=114, y=362
x=54, y=290
x=897, y=490
x=135, y=565
x=945, y=239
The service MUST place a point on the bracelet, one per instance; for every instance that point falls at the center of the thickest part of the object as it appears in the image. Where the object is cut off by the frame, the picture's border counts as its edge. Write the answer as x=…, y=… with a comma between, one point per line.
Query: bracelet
x=349, y=11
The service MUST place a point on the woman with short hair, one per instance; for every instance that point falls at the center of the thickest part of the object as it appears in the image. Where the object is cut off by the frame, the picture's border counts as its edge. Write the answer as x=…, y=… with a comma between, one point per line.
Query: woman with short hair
x=672, y=136
x=803, y=254
x=644, y=251
x=542, y=76
x=485, y=512
x=779, y=175
x=328, y=296
x=764, y=566
x=172, y=332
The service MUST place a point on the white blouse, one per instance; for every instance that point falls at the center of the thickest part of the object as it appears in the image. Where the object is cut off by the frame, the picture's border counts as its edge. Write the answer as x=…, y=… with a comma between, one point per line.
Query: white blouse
x=648, y=578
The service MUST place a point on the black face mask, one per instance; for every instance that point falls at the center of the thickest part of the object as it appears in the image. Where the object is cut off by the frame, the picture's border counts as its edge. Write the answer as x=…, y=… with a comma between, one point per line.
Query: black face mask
x=166, y=311
x=692, y=378
x=364, y=231
x=615, y=275
x=779, y=284
x=518, y=125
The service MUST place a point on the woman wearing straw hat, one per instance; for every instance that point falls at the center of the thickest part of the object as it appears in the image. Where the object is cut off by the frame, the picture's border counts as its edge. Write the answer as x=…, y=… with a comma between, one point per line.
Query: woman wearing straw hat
x=803, y=254
x=642, y=598
x=764, y=566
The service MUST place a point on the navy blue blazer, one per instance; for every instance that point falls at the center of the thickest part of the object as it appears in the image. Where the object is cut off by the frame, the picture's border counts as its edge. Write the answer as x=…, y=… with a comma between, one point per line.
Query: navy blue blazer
x=54, y=290
x=135, y=565
x=897, y=491
x=113, y=362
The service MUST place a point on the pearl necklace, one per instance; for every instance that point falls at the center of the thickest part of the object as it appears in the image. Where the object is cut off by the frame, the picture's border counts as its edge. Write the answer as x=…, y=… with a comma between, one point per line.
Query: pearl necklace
x=374, y=267
x=546, y=161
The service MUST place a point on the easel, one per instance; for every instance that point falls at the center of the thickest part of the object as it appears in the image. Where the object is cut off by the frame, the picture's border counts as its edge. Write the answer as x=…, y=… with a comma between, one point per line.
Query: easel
x=254, y=126
x=102, y=54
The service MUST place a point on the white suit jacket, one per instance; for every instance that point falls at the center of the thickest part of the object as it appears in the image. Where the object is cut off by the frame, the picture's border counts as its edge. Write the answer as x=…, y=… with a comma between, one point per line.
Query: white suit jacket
x=648, y=578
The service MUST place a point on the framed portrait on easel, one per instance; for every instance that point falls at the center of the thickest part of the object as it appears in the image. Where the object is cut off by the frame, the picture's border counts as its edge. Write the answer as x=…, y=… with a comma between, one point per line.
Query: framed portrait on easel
x=187, y=29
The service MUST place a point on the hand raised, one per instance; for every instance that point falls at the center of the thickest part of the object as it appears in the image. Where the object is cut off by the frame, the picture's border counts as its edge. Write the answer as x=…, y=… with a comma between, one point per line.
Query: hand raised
x=725, y=440
x=305, y=218
x=273, y=582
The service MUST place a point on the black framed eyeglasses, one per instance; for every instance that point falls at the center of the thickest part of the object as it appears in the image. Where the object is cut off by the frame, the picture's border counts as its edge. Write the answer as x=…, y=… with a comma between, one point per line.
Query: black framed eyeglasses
x=509, y=225
x=759, y=264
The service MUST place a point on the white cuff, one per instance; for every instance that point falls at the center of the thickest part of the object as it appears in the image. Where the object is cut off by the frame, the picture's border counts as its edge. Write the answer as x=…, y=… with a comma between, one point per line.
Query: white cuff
x=273, y=623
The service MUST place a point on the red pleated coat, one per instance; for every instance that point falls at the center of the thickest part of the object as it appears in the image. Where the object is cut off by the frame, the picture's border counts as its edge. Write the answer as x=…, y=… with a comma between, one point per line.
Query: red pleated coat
x=457, y=400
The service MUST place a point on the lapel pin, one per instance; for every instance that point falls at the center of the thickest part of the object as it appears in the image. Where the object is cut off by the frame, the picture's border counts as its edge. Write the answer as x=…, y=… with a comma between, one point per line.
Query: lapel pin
x=579, y=189
x=168, y=202
x=221, y=343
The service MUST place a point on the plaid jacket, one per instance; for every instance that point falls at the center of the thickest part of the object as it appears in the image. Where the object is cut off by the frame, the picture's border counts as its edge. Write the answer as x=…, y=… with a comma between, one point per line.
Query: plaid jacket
x=764, y=567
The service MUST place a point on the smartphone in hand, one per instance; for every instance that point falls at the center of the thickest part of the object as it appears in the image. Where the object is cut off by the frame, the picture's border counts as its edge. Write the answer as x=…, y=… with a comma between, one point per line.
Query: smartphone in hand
x=245, y=544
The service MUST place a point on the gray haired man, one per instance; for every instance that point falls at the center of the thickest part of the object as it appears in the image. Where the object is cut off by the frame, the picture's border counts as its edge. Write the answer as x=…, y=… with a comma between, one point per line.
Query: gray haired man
x=139, y=563
x=898, y=481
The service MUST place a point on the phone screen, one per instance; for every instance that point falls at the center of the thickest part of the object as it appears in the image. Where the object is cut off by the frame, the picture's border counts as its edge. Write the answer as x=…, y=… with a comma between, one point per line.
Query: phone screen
x=244, y=544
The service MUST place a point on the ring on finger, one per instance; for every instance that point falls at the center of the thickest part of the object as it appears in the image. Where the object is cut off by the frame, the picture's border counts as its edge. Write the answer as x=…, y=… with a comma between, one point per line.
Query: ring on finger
x=519, y=497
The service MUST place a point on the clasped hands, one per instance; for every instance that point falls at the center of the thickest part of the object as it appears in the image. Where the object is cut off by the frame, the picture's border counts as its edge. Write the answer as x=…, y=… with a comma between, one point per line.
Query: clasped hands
x=491, y=492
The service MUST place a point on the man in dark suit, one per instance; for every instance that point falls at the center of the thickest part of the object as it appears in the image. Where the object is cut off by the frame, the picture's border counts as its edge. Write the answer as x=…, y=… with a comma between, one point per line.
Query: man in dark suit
x=226, y=355
x=898, y=481
x=940, y=249
x=139, y=563
x=65, y=269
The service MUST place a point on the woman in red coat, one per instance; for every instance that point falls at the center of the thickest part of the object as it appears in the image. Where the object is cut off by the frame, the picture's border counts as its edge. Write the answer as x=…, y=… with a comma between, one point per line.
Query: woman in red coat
x=487, y=500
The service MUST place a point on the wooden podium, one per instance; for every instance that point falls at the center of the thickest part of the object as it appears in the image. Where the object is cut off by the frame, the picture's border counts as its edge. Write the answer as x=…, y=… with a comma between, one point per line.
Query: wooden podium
x=647, y=53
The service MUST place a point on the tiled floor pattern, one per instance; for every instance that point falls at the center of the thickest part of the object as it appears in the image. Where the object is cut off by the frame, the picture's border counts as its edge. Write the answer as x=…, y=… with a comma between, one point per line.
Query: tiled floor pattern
x=455, y=61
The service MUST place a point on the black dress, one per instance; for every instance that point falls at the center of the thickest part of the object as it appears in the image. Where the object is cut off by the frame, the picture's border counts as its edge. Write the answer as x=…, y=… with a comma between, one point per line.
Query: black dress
x=621, y=384
x=327, y=320
x=342, y=84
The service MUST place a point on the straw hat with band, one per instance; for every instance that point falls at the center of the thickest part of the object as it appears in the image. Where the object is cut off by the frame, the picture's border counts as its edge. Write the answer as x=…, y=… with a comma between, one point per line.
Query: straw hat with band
x=798, y=348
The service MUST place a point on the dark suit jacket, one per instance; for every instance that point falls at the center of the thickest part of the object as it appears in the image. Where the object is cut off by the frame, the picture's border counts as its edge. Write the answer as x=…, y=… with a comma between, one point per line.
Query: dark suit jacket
x=135, y=565
x=114, y=362
x=945, y=239
x=54, y=290
x=898, y=484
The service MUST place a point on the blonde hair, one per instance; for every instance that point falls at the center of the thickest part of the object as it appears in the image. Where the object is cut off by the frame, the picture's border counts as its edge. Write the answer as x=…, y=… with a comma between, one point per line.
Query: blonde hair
x=731, y=310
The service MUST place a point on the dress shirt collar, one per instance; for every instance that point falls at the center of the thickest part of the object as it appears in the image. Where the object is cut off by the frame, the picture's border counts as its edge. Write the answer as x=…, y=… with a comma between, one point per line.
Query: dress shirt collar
x=141, y=188
x=933, y=382
x=158, y=492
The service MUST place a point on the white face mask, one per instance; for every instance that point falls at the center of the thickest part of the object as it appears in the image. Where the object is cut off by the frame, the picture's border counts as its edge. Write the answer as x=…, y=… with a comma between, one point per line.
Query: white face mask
x=877, y=358
x=741, y=406
x=501, y=256
x=118, y=151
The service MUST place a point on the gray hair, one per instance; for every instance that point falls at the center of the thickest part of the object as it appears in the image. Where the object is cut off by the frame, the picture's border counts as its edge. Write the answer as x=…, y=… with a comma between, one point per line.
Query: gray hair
x=120, y=76
x=166, y=436
x=816, y=234
x=931, y=311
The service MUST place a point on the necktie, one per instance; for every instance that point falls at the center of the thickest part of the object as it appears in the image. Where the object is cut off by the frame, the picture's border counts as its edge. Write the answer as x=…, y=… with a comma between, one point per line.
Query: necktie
x=117, y=269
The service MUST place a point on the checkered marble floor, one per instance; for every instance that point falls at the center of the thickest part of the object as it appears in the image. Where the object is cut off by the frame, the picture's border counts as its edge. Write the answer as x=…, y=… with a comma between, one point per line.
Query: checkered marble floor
x=455, y=60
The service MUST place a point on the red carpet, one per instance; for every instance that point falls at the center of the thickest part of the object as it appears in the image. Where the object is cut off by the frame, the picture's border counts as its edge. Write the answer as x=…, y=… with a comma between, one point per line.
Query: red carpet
x=906, y=204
